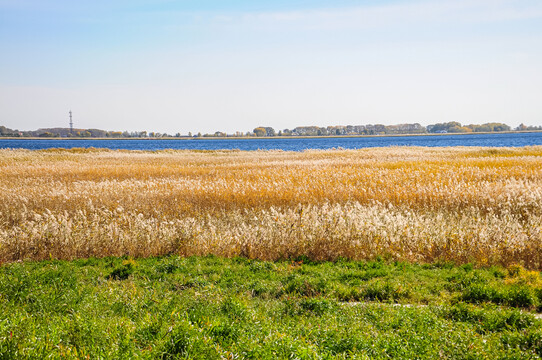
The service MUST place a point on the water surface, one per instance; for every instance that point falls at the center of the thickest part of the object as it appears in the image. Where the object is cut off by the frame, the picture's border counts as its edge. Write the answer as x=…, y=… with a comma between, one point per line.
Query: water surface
x=286, y=144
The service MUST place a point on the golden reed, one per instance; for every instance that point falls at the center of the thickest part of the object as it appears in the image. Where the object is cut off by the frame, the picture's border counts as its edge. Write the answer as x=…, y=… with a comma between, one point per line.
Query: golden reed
x=480, y=205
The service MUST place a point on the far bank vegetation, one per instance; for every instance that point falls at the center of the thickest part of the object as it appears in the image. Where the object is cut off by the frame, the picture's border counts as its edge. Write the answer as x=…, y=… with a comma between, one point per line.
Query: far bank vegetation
x=265, y=131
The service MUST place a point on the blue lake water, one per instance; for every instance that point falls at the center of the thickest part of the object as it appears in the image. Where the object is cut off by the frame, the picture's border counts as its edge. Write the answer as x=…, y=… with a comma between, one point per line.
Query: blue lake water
x=286, y=144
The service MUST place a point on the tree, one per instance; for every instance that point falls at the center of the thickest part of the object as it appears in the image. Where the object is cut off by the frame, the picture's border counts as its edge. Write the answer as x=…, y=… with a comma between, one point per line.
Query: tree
x=260, y=131
x=443, y=127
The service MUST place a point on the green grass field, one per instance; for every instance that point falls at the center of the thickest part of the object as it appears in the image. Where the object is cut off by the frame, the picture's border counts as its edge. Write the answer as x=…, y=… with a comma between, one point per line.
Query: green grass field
x=215, y=308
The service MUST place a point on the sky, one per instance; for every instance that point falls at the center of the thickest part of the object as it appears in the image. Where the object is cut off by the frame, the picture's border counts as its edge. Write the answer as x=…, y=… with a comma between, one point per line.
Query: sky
x=205, y=66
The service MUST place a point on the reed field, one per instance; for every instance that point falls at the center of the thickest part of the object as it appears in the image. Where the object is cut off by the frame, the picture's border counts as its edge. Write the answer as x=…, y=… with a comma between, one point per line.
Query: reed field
x=461, y=205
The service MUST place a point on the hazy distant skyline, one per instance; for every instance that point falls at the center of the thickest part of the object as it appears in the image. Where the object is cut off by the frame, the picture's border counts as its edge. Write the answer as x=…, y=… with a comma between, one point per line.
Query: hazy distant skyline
x=180, y=66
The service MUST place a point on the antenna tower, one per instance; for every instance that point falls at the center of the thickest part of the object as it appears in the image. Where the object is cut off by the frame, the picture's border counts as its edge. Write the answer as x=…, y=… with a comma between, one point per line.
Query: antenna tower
x=71, y=123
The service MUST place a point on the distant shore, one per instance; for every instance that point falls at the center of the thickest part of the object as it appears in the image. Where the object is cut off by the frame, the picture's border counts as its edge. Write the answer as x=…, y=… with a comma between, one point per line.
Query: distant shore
x=264, y=137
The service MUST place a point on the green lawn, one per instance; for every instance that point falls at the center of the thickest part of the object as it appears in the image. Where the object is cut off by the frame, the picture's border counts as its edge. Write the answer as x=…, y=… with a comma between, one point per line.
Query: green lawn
x=210, y=307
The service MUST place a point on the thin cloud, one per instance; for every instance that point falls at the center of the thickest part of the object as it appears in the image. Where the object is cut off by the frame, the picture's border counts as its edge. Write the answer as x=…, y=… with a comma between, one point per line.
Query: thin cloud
x=467, y=11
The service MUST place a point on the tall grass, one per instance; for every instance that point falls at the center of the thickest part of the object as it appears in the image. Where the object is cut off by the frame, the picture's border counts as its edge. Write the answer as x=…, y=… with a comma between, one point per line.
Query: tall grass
x=481, y=205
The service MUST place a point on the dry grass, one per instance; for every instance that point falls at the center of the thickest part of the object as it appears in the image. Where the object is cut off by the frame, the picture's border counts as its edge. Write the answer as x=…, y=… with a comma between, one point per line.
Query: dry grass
x=479, y=205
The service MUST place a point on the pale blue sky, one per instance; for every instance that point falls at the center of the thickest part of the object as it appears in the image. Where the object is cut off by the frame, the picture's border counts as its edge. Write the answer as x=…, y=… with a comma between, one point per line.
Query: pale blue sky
x=179, y=66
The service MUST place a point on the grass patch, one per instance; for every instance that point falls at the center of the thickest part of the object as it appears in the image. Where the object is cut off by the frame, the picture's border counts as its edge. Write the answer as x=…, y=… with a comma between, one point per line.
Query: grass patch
x=211, y=308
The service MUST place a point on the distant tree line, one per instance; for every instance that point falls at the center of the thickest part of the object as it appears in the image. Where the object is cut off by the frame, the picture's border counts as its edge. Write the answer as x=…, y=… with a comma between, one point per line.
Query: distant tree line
x=264, y=131
x=378, y=129
x=76, y=133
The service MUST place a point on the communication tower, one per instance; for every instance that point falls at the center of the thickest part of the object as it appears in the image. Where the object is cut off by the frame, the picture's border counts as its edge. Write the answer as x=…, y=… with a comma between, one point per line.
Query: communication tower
x=71, y=123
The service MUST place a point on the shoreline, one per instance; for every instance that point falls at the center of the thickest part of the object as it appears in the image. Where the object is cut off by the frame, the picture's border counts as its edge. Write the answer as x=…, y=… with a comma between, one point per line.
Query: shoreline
x=186, y=138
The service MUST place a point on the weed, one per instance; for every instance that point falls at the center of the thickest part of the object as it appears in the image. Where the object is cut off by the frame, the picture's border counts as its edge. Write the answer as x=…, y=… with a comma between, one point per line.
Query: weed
x=224, y=332
x=317, y=306
x=487, y=319
x=528, y=341
x=177, y=343
x=383, y=291
x=520, y=296
x=122, y=272
x=479, y=293
x=233, y=308
x=300, y=285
